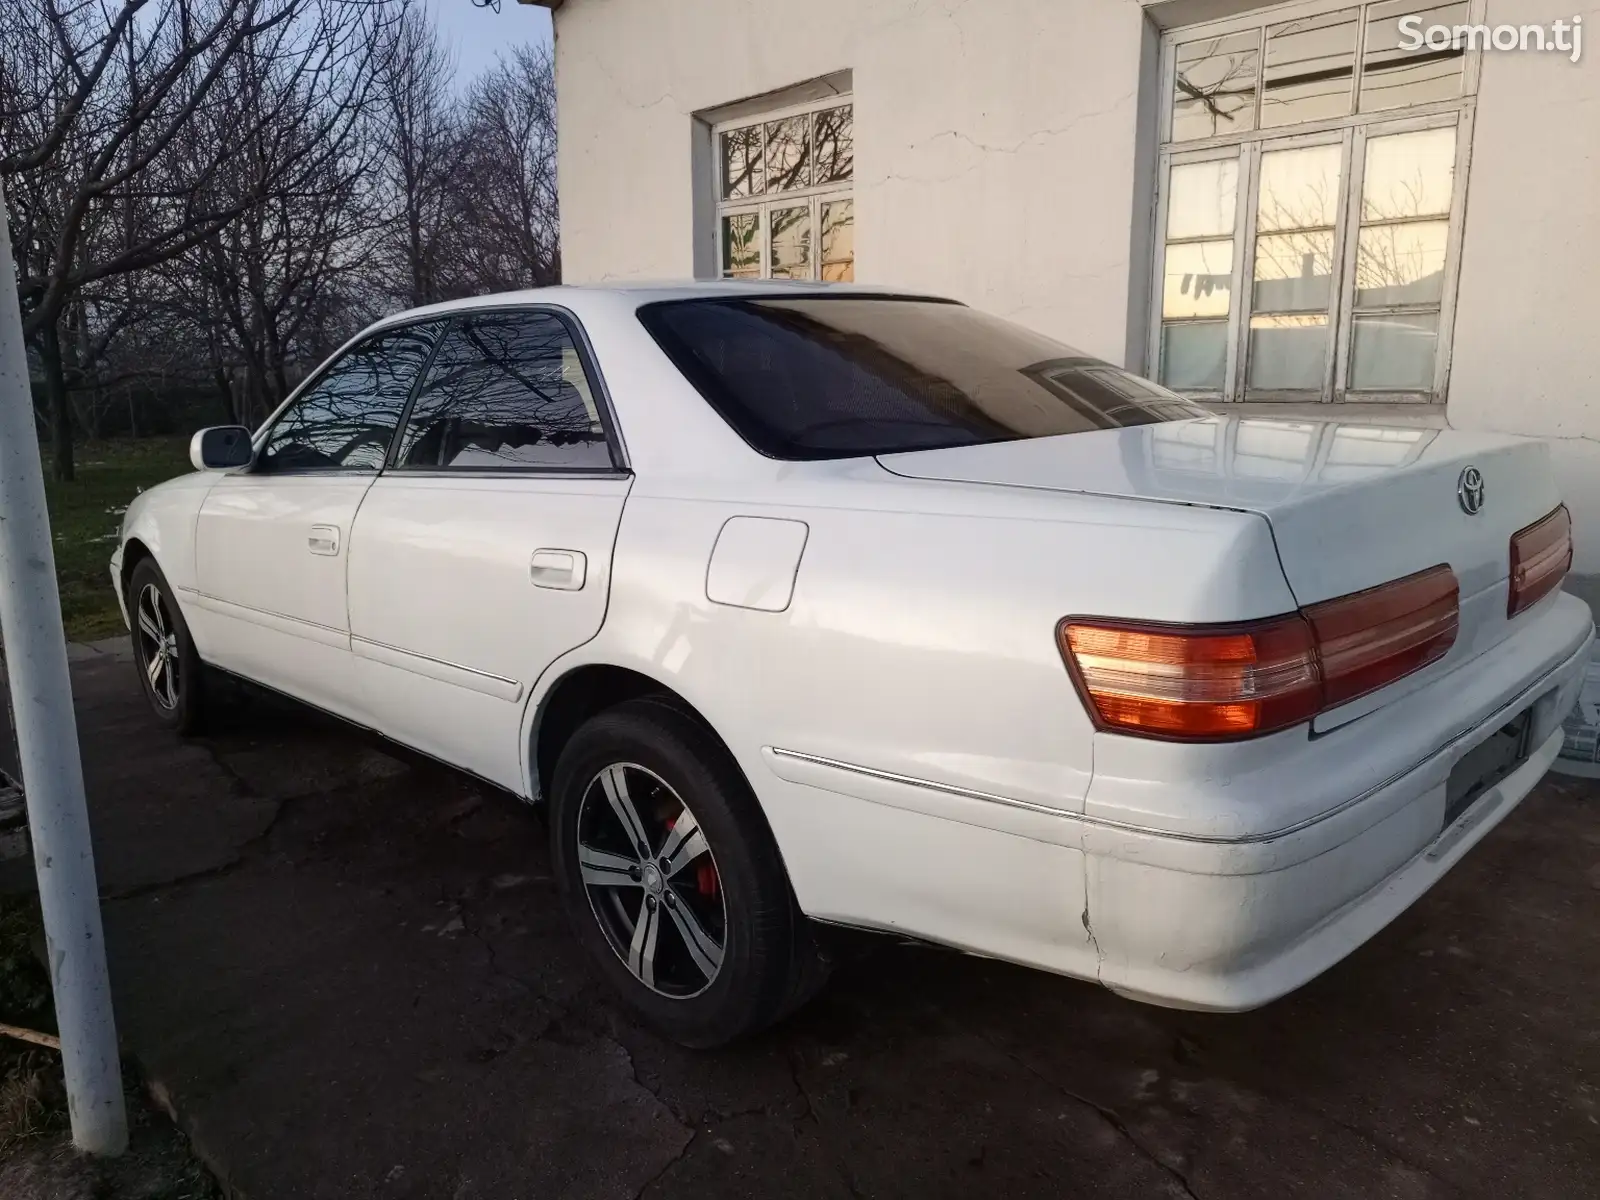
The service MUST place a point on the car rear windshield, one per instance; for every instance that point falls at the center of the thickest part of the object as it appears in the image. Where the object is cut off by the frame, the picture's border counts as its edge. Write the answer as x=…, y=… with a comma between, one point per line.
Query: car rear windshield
x=815, y=377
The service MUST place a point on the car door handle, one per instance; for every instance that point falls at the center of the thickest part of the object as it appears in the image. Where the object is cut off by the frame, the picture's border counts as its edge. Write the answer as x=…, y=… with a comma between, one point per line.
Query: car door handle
x=563, y=570
x=324, y=539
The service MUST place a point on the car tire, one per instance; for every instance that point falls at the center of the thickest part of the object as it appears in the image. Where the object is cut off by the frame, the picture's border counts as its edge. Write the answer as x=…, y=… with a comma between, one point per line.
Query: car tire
x=730, y=951
x=170, y=670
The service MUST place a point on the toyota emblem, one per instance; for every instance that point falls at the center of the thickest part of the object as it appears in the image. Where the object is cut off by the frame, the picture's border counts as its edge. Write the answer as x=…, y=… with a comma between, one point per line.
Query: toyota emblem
x=1469, y=491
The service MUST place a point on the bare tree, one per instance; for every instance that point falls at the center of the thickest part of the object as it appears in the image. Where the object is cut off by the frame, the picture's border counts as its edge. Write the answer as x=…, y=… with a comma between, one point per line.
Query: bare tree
x=471, y=186
x=420, y=131
x=509, y=211
x=96, y=108
x=208, y=196
x=261, y=281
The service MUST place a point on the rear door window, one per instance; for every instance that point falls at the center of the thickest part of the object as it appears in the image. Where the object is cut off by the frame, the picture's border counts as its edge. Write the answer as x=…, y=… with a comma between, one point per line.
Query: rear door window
x=842, y=376
x=506, y=390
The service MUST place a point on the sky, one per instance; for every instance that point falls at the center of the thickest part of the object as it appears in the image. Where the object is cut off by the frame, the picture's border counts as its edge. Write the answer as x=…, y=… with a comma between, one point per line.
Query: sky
x=476, y=35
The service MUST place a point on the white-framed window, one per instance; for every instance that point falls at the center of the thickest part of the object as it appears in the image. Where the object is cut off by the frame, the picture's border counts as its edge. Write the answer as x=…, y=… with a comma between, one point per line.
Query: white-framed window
x=1310, y=199
x=784, y=187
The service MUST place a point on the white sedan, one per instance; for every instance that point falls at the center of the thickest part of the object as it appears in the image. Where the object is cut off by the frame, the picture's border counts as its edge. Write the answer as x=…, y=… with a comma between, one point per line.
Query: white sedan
x=806, y=606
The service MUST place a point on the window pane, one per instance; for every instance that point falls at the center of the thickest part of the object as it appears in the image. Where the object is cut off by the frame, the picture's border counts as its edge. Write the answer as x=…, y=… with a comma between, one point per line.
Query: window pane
x=1201, y=198
x=838, y=241
x=1288, y=352
x=1214, y=90
x=1293, y=272
x=1392, y=77
x=1194, y=355
x=741, y=162
x=1197, y=280
x=790, y=253
x=841, y=376
x=1310, y=64
x=741, y=245
x=1401, y=264
x=505, y=390
x=1299, y=188
x=1409, y=175
x=1394, y=353
x=835, y=134
x=788, y=154
x=348, y=419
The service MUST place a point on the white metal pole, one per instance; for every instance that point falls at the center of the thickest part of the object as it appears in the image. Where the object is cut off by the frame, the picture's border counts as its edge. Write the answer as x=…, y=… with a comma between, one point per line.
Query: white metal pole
x=47, y=747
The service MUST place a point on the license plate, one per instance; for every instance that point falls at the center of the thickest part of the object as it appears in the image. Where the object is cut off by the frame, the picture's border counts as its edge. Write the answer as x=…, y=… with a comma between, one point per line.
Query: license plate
x=1486, y=765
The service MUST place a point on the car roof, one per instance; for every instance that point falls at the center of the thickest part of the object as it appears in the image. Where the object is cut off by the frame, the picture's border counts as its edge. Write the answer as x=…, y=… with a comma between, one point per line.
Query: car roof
x=579, y=297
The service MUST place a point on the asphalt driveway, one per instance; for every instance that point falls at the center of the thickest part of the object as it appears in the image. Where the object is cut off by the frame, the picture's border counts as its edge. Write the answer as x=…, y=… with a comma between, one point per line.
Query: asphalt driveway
x=348, y=976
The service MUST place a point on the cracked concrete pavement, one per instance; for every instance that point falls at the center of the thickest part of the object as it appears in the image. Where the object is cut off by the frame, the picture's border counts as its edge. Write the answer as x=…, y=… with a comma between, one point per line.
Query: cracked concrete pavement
x=348, y=977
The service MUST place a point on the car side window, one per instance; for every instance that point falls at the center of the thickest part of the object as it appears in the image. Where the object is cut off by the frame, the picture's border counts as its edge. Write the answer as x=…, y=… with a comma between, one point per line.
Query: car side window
x=347, y=419
x=505, y=390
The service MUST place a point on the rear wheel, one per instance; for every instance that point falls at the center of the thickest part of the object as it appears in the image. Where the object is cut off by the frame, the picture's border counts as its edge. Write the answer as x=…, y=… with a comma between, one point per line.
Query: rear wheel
x=170, y=670
x=672, y=880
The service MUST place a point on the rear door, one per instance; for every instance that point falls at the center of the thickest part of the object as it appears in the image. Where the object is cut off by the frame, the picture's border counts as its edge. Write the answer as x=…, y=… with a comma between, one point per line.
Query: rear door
x=272, y=541
x=484, y=551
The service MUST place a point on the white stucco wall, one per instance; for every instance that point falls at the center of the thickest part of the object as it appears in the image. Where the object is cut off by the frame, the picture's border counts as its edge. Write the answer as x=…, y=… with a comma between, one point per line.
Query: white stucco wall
x=1527, y=336
x=1001, y=159
x=994, y=141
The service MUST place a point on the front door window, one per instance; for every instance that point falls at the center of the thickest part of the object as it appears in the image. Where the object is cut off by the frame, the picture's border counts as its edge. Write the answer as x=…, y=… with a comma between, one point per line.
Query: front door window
x=347, y=418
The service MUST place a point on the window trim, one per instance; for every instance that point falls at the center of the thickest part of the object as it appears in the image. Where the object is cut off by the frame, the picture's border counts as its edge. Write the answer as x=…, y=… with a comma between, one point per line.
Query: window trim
x=814, y=195
x=1351, y=132
x=588, y=363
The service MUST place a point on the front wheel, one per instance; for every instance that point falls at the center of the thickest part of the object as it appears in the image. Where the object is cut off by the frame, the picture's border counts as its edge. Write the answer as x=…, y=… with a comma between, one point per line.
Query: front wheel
x=672, y=880
x=170, y=670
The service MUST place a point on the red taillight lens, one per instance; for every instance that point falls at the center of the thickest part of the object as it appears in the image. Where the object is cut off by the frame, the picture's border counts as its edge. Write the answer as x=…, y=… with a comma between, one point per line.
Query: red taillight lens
x=1541, y=554
x=1210, y=683
x=1368, y=640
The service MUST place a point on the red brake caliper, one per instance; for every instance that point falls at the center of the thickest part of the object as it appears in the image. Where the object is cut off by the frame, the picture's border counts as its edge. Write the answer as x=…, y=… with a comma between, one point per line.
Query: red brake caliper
x=705, y=878
x=705, y=875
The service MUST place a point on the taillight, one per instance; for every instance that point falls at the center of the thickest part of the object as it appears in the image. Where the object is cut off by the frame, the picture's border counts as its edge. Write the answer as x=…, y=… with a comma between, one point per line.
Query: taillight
x=1540, y=557
x=1218, y=683
x=1367, y=640
x=1199, y=683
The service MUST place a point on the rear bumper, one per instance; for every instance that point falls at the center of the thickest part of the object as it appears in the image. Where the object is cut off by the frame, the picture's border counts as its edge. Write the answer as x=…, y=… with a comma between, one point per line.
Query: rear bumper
x=1232, y=923
x=1202, y=883
x=1230, y=943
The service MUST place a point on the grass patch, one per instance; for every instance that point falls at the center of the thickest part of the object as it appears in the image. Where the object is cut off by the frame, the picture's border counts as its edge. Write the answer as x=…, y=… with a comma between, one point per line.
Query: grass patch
x=86, y=516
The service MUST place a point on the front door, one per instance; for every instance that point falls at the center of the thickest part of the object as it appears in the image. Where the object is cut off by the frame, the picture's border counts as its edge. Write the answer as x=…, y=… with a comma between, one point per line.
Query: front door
x=484, y=552
x=272, y=540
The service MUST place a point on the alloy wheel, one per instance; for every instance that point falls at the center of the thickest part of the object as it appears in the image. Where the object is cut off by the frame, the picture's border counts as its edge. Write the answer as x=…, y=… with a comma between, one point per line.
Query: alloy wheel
x=158, y=646
x=651, y=880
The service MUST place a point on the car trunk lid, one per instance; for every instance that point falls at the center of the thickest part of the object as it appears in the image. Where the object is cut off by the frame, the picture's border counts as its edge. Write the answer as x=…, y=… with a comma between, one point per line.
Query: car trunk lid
x=1351, y=506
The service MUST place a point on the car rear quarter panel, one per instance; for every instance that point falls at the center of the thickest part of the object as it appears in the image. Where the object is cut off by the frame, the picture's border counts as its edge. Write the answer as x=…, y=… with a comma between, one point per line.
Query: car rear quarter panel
x=920, y=637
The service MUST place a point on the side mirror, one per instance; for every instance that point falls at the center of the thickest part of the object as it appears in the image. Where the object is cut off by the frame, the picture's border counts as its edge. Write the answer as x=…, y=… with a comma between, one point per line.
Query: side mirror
x=221, y=447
